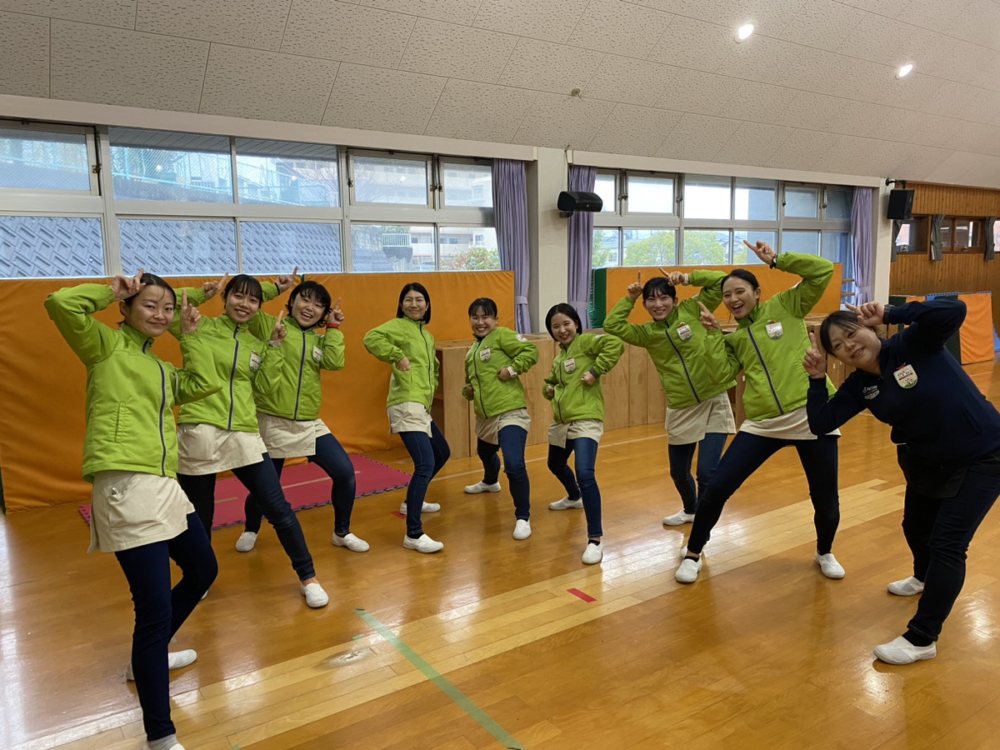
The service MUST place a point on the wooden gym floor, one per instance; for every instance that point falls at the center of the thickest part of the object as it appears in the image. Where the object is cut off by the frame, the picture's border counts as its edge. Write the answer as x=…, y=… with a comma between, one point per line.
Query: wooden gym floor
x=435, y=652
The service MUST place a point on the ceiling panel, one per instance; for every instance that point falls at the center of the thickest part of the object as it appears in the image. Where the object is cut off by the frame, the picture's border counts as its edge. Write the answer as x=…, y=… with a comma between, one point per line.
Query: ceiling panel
x=697, y=137
x=547, y=66
x=623, y=79
x=823, y=24
x=455, y=11
x=811, y=111
x=802, y=149
x=257, y=84
x=759, y=102
x=25, y=44
x=552, y=20
x=378, y=99
x=753, y=143
x=457, y=51
x=698, y=92
x=859, y=118
x=616, y=26
x=245, y=23
x=347, y=33
x=114, y=66
x=920, y=162
x=762, y=59
x=562, y=121
x=634, y=130
x=120, y=13
x=479, y=112
x=691, y=43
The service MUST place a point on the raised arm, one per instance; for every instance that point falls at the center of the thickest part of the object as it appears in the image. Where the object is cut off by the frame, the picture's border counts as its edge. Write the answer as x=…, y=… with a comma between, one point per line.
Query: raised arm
x=71, y=310
x=617, y=324
x=711, y=287
x=930, y=323
x=197, y=380
x=816, y=274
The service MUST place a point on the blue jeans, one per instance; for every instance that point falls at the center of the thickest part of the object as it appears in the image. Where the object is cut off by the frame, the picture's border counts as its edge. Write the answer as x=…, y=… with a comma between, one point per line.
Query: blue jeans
x=262, y=481
x=938, y=533
x=681, y=456
x=331, y=457
x=512, y=441
x=160, y=611
x=746, y=454
x=586, y=458
x=429, y=454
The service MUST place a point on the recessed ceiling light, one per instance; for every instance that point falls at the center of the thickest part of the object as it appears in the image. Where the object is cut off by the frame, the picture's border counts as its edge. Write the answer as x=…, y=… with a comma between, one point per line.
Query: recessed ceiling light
x=744, y=32
x=905, y=70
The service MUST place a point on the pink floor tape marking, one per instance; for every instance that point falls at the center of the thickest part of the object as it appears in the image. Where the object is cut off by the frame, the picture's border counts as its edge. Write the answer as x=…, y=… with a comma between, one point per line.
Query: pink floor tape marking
x=585, y=597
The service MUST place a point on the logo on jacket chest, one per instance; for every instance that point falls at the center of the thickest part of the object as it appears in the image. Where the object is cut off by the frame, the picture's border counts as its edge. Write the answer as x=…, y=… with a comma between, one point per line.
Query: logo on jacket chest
x=774, y=329
x=684, y=331
x=485, y=354
x=905, y=376
x=870, y=392
x=317, y=354
x=570, y=365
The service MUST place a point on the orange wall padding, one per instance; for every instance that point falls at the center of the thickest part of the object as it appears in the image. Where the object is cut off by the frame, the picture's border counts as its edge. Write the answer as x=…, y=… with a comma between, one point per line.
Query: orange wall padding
x=976, y=334
x=771, y=282
x=43, y=384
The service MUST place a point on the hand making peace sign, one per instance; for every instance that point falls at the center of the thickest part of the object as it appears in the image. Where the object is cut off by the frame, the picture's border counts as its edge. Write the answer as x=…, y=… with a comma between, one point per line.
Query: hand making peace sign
x=124, y=287
x=335, y=317
x=190, y=316
x=285, y=282
x=279, y=331
x=763, y=251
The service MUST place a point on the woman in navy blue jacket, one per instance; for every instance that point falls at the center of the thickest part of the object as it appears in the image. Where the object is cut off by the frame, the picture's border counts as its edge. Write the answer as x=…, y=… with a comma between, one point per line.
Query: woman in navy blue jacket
x=947, y=438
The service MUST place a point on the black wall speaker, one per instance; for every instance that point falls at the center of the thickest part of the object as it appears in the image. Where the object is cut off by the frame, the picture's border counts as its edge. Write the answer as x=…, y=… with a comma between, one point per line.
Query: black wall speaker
x=579, y=201
x=900, y=205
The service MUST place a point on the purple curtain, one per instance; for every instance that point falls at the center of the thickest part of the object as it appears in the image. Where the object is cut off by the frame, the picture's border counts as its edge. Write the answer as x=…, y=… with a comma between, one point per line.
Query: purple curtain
x=861, y=243
x=510, y=216
x=581, y=242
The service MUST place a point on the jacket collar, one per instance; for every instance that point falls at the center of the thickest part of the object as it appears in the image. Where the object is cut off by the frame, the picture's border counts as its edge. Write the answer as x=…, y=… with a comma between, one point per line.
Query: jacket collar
x=228, y=322
x=137, y=337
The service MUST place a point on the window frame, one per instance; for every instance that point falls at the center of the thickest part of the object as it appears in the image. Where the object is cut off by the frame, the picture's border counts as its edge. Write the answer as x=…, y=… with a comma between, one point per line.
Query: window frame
x=94, y=166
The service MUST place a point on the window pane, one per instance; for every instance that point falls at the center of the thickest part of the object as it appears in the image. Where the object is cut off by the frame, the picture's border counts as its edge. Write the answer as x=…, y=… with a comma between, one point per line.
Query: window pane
x=906, y=239
x=605, y=250
x=946, y=234
x=838, y=202
x=277, y=247
x=289, y=174
x=469, y=249
x=149, y=165
x=801, y=202
x=468, y=185
x=800, y=242
x=380, y=248
x=650, y=195
x=43, y=161
x=756, y=200
x=178, y=248
x=707, y=197
x=706, y=247
x=385, y=180
x=649, y=247
x=966, y=233
x=605, y=187
x=996, y=237
x=47, y=246
x=836, y=246
x=744, y=256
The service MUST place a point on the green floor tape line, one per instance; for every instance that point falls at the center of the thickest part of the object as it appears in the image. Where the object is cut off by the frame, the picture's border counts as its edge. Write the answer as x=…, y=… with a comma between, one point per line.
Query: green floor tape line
x=481, y=717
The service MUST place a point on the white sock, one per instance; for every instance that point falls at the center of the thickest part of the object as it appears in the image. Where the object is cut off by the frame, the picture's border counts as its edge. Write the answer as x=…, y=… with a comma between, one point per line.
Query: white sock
x=164, y=743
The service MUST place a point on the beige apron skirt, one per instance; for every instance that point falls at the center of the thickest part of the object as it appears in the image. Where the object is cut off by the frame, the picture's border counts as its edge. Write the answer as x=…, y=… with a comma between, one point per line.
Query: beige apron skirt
x=488, y=430
x=582, y=428
x=409, y=417
x=692, y=423
x=207, y=449
x=129, y=509
x=290, y=438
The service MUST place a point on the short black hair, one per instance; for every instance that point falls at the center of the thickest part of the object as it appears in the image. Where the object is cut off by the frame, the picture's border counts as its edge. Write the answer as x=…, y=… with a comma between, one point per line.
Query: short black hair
x=659, y=284
x=311, y=290
x=151, y=279
x=844, y=319
x=243, y=284
x=742, y=274
x=414, y=286
x=565, y=309
x=488, y=307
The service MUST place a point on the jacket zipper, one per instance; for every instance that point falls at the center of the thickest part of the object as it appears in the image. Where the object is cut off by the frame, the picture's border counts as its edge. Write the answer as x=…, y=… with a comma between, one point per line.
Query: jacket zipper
x=475, y=369
x=232, y=374
x=686, y=373
x=769, y=381
x=430, y=365
x=163, y=406
x=302, y=364
x=563, y=384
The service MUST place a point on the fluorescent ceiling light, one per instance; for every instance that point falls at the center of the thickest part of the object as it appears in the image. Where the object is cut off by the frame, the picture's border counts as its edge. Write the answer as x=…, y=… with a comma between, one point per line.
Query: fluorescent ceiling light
x=744, y=32
x=905, y=70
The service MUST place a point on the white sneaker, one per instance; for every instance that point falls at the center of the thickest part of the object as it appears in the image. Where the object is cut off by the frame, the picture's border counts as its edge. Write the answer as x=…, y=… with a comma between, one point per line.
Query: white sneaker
x=425, y=508
x=175, y=746
x=315, y=595
x=566, y=504
x=353, y=543
x=901, y=651
x=175, y=660
x=907, y=587
x=481, y=487
x=689, y=570
x=424, y=544
x=678, y=519
x=829, y=565
x=246, y=541
x=593, y=554
x=522, y=529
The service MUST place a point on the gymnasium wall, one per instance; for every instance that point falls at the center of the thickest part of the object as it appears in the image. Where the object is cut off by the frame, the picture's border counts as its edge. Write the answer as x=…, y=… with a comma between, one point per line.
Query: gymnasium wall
x=43, y=384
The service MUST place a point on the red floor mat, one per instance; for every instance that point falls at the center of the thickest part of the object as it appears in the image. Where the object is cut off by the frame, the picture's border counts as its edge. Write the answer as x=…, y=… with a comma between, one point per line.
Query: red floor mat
x=305, y=486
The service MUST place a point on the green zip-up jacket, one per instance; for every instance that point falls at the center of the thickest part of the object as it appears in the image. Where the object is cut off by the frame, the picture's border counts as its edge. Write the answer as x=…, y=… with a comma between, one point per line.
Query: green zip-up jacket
x=306, y=352
x=499, y=349
x=573, y=401
x=399, y=338
x=244, y=363
x=771, y=341
x=676, y=345
x=131, y=393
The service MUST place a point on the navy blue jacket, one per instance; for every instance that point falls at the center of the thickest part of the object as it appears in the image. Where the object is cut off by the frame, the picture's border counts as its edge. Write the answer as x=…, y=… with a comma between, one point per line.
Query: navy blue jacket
x=943, y=420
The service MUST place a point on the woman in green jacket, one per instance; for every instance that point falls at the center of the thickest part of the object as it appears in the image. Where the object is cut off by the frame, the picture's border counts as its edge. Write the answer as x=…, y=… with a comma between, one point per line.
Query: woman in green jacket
x=768, y=346
x=698, y=411
x=289, y=417
x=574, y=388
x=221, y=433
x=493, y=368
x=138, y=510
x=405, y=343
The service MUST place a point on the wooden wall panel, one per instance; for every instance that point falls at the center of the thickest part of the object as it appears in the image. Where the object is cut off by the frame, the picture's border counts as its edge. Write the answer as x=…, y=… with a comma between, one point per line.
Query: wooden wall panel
x=957, y=272
x=954, y=201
